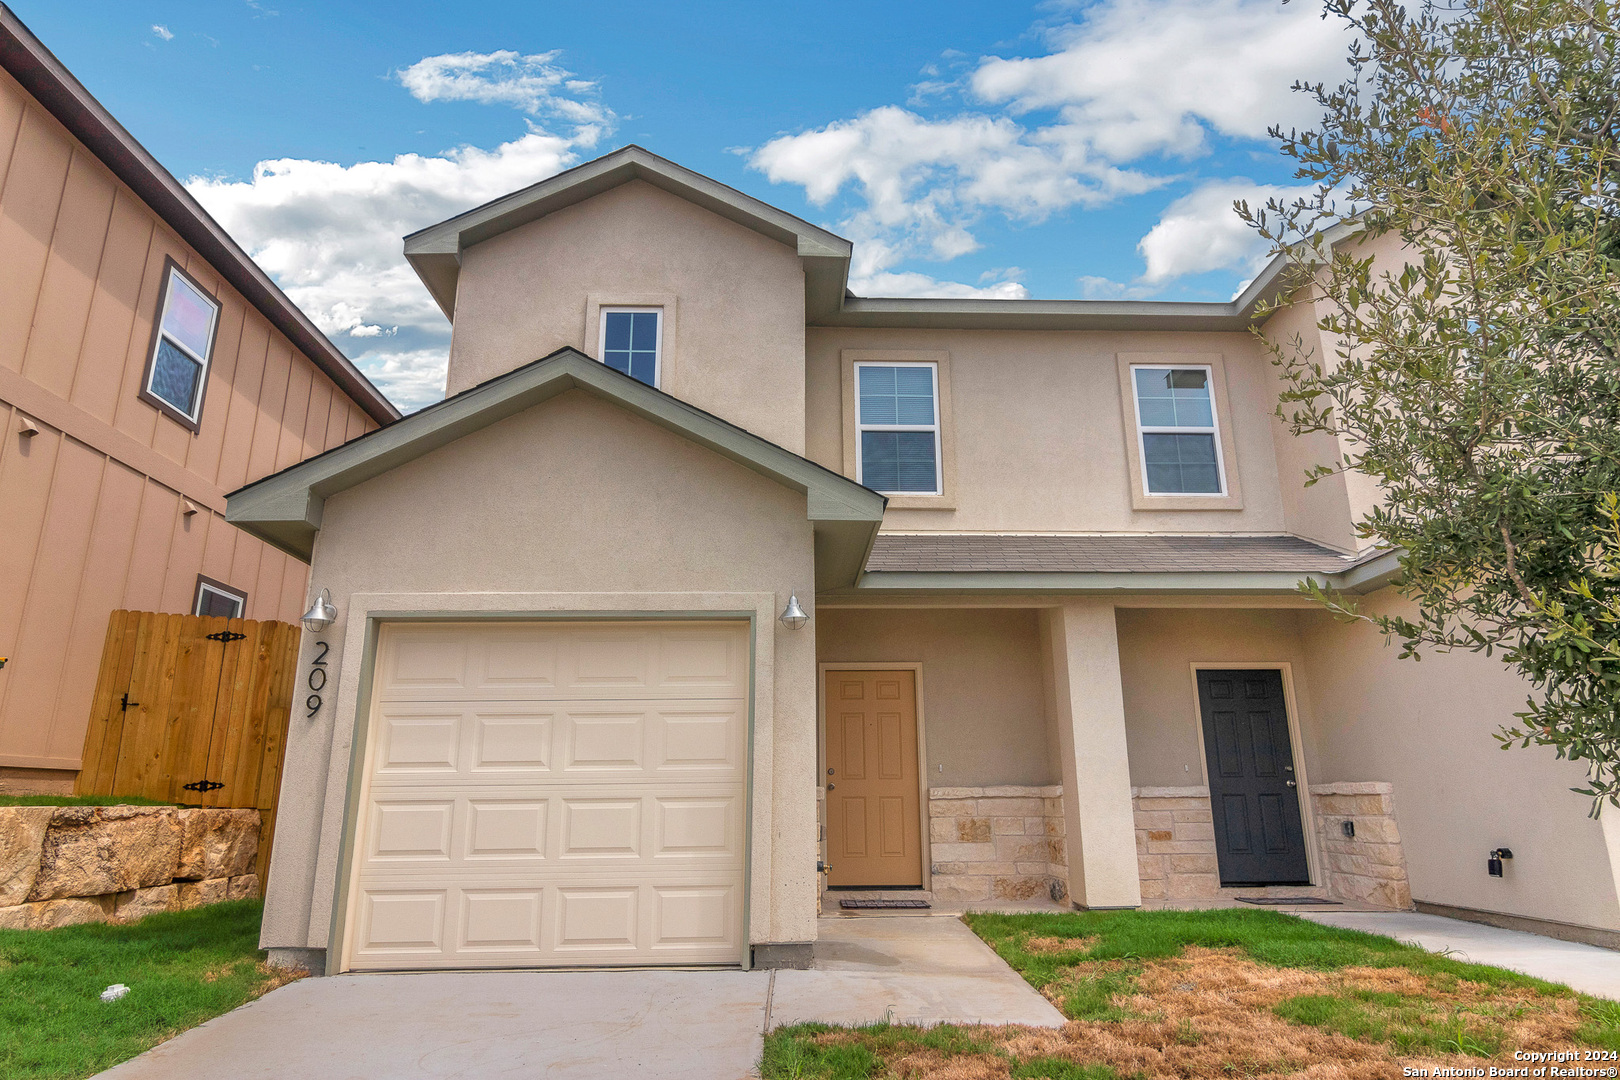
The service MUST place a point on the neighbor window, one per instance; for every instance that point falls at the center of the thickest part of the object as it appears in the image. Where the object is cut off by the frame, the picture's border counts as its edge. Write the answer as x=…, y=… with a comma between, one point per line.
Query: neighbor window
x=1175, y=416
x=218, y=598
x=897, y=428
x=632, y=339
x=181, y=347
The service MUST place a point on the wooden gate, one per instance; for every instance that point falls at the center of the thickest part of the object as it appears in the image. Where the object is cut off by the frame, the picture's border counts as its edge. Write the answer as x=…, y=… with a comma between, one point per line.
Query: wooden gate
x=192, y=709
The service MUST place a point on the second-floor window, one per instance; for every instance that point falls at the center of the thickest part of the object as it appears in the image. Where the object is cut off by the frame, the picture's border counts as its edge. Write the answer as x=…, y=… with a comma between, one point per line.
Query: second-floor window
x=897, y=428
x=1175, y=414
x=632, y=341
x=182, y=348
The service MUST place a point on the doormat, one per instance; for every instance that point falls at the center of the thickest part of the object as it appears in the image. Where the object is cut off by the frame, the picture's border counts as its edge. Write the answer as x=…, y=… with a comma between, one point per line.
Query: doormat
x=1287, y=901
x=880, y=905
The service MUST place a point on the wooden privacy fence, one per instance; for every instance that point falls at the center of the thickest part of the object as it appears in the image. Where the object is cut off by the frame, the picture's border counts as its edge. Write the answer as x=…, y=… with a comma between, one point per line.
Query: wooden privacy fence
x=192, y=709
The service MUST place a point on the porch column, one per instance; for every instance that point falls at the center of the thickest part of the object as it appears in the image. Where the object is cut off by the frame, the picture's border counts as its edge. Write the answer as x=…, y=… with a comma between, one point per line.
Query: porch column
x=1085, y=701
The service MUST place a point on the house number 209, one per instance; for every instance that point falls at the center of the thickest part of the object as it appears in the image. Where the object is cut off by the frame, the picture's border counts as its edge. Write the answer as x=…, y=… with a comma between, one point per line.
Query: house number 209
x=317, y=679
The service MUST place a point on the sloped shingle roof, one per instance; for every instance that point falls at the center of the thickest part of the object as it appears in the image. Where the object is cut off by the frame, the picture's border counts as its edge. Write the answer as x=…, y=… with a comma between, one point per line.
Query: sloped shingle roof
x=946, y=553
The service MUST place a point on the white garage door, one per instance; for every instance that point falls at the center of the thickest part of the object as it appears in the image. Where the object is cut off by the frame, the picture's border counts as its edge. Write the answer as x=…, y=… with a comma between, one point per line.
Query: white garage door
x=553, y=794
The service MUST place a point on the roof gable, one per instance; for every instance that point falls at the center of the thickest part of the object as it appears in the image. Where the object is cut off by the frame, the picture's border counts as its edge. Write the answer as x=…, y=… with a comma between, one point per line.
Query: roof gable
x=285, y=508
x=435, y=252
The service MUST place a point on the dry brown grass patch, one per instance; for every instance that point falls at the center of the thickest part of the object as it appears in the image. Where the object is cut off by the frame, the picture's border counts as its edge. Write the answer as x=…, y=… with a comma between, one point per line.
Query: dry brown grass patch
x=1050, y=945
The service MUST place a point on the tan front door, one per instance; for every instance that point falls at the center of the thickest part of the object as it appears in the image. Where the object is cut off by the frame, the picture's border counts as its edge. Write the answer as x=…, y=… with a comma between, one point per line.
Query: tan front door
x=874, y=824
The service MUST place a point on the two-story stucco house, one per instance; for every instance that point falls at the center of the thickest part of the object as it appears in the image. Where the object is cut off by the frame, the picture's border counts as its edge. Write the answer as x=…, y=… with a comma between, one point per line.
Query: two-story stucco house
x=147, y=367
x=711, y=587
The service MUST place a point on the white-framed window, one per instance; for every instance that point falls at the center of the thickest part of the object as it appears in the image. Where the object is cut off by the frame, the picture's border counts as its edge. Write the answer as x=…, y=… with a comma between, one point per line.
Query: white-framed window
x=1178, y=429
x=633, y=341
x=897, y=447
x=217, y=598
x=182, y=347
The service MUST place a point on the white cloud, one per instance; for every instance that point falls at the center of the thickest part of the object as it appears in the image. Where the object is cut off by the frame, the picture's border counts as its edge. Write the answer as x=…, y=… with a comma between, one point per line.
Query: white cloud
x=1124, y=83
x=910, y=283
x=163, y=32
x=532, y=83
x=331, y=236
x=1200, y=231
x=923, y=182
x=1138, y=77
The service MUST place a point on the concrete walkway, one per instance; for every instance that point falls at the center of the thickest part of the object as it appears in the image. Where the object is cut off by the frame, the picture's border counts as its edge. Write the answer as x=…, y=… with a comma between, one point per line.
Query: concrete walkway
x=1586, y=968
x=585, y=1025
x=909, y=969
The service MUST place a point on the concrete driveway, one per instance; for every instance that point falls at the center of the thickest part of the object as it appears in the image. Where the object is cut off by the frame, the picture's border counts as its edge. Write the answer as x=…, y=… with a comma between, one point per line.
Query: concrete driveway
x=659, y=1024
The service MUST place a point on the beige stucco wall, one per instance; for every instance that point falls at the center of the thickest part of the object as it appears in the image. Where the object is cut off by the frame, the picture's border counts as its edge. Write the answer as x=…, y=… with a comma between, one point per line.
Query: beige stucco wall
x=982, y=707
x=574, y=505
x=733, y=299
x=1040, y=438
x=1427, y=727
x=1157, y=648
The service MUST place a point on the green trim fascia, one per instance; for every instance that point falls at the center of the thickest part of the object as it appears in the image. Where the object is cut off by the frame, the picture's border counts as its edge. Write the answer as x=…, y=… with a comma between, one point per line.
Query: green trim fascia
x=285, y=509
x=1364, y=577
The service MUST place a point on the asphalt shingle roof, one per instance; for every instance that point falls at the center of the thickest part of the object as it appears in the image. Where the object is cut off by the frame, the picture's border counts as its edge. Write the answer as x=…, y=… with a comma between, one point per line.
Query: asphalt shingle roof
x=945, y=553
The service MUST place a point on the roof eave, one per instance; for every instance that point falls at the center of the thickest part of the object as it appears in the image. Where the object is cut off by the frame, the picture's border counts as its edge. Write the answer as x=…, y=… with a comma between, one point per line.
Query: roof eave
x=53, y=86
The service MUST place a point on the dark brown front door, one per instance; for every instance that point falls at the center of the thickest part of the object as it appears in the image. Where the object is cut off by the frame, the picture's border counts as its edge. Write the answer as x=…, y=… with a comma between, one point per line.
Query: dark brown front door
x=874, y=824
x=1253, y=792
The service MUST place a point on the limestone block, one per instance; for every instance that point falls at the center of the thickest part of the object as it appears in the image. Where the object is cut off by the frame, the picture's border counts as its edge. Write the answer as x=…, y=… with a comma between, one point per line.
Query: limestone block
x=1194, y=886
x=17, y=917
x=1157, y=835
x=1193, y=864
x=243, y=887
x=1040, y=868
x=1155, y=819
x=954, y=793
x=195, y=894
x=1150, y=866
x=143, y=902
x=1028, y=849
x=1018, y=888
x=1354, y=805
x=1173, y=804
x=964, y=852
x=1154, y=888
x=948, y=869
x=972, y=830
x=1009, y=807
x=1054, y=826
x=1034, y=826
x=962, y=888
x=1192, y=815
x=1141, y=842
x=1378, y=830
x=1008, y=826
x=1011, y=791
x=217, y=843
x=949, y=809
x=99, y=850
x=1194, y=830
x=940, y=828
x=1180, y=847
x=22, y=841
x=49, y=914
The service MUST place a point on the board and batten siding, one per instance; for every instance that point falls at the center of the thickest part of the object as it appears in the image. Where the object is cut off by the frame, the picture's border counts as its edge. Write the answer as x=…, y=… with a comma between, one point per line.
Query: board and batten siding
x=93, y=508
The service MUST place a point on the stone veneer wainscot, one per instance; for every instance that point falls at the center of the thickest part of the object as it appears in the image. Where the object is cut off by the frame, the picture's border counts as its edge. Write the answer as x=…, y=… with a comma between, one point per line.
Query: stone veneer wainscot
x=997, y=843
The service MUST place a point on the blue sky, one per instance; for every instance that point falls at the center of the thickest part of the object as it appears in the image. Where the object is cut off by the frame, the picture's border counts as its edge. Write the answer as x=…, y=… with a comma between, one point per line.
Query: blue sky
x=1053, y=150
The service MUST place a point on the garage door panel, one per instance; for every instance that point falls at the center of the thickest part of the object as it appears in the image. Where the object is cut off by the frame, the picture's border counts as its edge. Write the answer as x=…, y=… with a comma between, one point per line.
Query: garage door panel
x=554, y=794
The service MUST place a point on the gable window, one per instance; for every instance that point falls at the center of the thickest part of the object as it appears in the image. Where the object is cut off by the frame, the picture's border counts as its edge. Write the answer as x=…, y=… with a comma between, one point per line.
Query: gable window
x=1175, y=412
x=632, y=339
x=897, y=428
x=182, y=346
x=217, y=598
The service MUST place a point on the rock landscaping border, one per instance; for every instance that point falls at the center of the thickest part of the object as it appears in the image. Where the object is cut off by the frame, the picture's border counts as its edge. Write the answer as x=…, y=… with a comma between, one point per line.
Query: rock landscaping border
x=61, y=865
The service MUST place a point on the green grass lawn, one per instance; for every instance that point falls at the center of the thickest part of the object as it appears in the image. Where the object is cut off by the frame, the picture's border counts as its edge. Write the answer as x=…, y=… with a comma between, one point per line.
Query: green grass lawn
x=181, y=968
x=79, y=800
x=1222, y=995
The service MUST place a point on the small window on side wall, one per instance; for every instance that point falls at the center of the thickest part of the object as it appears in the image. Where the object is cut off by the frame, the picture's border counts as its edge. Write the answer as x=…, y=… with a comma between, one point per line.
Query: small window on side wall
x=632, y=341
x=182, y=348
x=1176, y=422
x=897, y=443
x=217, y=598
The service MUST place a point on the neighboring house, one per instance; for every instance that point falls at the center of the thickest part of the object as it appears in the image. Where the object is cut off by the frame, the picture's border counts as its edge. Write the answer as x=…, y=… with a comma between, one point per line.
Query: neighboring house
x=1048, y=554
x=147, y=367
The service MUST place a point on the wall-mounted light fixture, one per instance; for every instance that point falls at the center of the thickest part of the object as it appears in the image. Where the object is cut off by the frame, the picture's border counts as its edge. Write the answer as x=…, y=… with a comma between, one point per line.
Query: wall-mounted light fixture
x=1493, y=862
x=793, y=615
x=320, y=614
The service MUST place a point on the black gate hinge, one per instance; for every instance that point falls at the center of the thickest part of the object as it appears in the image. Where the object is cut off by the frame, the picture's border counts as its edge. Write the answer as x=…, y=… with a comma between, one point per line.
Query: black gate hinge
x=125, y=705
x=226, y=636
x=202, y=785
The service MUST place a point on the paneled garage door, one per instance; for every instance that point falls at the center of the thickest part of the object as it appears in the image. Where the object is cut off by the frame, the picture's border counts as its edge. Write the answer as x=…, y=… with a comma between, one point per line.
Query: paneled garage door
x=553, y=794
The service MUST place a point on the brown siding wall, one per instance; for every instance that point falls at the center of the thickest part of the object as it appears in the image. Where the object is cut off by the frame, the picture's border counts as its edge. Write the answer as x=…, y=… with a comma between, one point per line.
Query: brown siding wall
x=92, y=509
